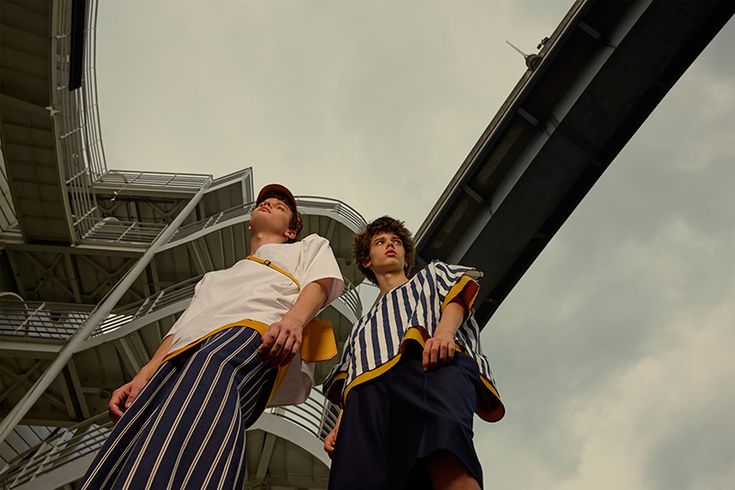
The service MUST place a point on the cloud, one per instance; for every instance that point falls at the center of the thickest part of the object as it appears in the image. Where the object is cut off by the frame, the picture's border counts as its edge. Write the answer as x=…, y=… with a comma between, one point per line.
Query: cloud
x=666, y=421
x=610, y=352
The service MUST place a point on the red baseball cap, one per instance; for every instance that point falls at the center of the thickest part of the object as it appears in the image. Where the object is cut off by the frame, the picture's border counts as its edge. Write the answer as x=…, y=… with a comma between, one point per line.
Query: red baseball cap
x=271, y=188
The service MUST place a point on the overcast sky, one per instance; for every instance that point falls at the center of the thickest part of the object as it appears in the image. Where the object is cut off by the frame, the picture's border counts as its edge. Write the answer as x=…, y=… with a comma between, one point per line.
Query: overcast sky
x=613, y=352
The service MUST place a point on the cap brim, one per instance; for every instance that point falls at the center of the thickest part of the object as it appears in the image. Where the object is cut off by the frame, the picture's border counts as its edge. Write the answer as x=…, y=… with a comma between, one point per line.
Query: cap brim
x=270, y=188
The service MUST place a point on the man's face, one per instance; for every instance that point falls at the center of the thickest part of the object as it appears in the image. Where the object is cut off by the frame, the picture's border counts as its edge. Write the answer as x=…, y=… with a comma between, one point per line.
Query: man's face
x=387, y=253
x=274, y=216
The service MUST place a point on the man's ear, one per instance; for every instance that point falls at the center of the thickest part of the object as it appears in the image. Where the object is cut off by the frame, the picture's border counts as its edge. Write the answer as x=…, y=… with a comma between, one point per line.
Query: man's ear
x=367, y=264
x=290, y=234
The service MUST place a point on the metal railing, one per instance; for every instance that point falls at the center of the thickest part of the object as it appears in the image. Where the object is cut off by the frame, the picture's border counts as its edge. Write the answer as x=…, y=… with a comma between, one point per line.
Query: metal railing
x=180, y=292
x=40, y=320
x=316, y=415
x=76, y=114
x=79, y=144
x=351, y=298
x=336, y=206
x=53, y=321
x=95, y=149
x=65, y=446
x=113, y=230
x=227, y=214
x=120, y=181
x=305, y=203
x=232, y=176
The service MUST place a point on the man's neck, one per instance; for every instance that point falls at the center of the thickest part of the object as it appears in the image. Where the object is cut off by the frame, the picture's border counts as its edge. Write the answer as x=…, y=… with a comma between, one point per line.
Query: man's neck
x=390, y=280
x=258, y=239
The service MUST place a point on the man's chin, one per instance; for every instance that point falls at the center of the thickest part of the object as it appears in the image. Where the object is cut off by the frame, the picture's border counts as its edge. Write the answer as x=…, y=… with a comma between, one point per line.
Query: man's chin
x=388, y=267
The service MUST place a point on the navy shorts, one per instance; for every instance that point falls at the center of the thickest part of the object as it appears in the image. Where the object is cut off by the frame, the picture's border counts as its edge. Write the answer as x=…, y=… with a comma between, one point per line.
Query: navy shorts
x=391, y=423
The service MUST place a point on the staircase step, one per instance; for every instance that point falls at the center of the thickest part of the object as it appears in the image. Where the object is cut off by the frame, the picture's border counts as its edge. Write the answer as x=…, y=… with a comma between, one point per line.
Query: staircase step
x=28, y=88
x=24, y=62
x=28, y=136
x=15, y=15
x=37, y=45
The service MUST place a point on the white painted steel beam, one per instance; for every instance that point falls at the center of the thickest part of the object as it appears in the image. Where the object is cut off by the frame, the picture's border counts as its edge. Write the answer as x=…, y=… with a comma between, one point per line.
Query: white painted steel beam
x=99, y=314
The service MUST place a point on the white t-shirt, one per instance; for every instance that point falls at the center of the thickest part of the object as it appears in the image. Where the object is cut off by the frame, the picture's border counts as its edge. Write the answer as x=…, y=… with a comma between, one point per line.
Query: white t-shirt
x=255, y=291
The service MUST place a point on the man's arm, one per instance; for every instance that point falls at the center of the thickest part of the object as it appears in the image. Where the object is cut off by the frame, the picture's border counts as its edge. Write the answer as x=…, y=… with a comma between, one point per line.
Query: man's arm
x=330, y=442
x=282, y=340
x=124, y=396
x=440, y=348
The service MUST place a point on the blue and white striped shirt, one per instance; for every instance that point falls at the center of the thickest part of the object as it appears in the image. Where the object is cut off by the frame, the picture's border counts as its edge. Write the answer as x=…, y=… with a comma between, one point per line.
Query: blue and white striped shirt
x=374, y=344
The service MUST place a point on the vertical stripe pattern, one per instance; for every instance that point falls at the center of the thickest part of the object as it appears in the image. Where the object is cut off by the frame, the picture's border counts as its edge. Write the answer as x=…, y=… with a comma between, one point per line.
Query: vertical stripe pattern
x=186, y=428
x=376, y=338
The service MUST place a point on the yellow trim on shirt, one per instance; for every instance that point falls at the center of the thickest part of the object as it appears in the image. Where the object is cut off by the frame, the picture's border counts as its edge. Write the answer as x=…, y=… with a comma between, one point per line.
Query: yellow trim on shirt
x=255, y=325
x=318, y=344
x=466, y=289
x=417, y=334
x=489, y=406
x=273, y=266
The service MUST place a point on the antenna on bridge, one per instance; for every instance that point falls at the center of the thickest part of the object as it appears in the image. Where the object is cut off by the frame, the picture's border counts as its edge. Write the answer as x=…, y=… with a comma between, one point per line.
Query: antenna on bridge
x=532, y=60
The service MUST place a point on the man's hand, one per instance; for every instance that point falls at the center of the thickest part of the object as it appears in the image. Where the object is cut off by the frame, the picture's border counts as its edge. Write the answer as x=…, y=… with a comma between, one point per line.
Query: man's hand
x=331, y=441
x=281, y=342
x=123, y=397
x=438, y=350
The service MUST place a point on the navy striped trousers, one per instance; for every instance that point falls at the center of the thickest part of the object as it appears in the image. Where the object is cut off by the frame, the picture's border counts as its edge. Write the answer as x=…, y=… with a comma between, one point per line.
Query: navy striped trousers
x=186, y=428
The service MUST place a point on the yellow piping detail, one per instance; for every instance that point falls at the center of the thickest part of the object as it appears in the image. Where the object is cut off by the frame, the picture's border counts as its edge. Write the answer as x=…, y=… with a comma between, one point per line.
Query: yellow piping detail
x=273, y=266
x=318, y=343
x=417, y=334
x=468, y=288
x=489, y=406
x=257, y=326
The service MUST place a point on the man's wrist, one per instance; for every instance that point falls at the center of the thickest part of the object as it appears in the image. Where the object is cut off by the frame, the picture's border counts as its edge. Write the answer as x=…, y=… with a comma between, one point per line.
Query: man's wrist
x=296, y=319
x=442, y=331
x=147, y=371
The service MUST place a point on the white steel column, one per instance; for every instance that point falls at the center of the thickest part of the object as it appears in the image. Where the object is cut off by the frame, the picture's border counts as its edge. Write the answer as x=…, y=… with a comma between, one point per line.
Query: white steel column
x=97, y=316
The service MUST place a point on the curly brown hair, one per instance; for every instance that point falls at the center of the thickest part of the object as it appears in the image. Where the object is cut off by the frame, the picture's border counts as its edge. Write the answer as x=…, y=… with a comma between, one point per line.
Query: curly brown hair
x=361, y=243
x=297, y=221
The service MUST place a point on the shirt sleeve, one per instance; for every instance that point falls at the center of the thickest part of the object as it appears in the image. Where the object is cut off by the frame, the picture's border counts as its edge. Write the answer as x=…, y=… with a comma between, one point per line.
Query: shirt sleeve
x=334, y=382
x=456, y=282
x=179, y=321
x=318, y=262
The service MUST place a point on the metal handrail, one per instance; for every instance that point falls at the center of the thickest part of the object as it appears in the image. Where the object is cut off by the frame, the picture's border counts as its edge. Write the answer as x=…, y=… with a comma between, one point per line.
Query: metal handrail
x=316, y=415
x=124, y=231
x=232, y=176
x=335, y=205
x=77, y=119
x=121, y=180
x=60, y=321
x=351, y=298
x=39, y=320
x=233, y=212
x=339, y=207
x=79, y=142
x=65, y=446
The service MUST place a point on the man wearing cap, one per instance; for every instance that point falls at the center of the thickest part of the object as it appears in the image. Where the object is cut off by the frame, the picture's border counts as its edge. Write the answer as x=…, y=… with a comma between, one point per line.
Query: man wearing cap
x=247, y=340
